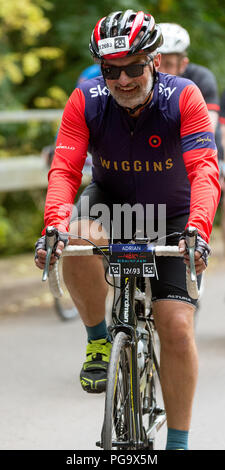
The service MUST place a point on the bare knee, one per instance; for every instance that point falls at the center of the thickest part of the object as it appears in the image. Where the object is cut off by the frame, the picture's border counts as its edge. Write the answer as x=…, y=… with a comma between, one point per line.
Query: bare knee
x=176, y=331
x=180, y=335
x=82, y=233
x=86, y=230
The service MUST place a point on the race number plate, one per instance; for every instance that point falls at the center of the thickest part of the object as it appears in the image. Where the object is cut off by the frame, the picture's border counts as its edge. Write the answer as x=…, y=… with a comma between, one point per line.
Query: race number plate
x=128, y=260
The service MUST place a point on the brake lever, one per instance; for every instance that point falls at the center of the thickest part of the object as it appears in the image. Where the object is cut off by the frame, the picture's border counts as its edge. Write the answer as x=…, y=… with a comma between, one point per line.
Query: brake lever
x=191, y=235
x=51, y=237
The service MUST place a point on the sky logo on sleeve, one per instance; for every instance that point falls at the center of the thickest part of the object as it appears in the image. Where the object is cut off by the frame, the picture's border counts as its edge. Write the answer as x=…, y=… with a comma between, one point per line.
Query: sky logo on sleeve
x=166, y=91
x=99, y=91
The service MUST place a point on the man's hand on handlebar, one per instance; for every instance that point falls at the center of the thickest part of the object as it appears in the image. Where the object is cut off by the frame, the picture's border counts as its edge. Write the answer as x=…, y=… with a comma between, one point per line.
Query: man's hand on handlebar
x=202, y=252
x=41, y=250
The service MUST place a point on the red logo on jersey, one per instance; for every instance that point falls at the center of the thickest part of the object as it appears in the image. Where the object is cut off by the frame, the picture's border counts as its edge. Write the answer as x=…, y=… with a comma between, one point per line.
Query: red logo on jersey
x=155, y=141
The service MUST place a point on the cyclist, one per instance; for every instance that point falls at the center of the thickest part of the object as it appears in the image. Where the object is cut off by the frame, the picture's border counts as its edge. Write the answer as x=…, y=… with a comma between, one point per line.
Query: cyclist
x=175, y=61
x=152, y=142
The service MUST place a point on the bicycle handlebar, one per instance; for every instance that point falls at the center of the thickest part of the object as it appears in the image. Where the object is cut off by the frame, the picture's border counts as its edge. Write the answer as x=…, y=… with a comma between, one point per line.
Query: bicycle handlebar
x=81, y=250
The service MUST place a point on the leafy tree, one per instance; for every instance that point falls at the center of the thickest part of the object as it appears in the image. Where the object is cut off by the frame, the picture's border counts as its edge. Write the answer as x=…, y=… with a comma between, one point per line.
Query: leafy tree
x=22, y=23
x=44, y=44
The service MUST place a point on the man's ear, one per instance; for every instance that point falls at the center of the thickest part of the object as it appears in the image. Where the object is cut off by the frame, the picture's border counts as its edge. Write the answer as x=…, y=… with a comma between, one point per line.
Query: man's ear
x=157, y=61
x=183, y=65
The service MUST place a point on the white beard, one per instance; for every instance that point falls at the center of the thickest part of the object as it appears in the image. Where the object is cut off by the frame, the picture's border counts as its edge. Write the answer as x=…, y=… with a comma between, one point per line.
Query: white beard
x=137, y=97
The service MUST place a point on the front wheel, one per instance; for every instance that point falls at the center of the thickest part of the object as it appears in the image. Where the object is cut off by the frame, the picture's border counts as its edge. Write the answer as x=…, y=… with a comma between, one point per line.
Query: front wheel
x=117, y=429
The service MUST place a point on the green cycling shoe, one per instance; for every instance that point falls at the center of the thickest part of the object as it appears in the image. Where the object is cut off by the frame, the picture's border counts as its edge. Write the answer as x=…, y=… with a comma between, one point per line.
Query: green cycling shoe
x=93, y=375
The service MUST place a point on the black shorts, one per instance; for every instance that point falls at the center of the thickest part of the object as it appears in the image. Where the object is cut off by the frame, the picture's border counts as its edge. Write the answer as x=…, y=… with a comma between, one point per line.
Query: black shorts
x=171, y=283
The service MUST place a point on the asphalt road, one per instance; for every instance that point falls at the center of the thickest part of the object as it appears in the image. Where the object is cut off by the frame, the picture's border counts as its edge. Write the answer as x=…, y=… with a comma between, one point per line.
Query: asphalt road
x=42, y=405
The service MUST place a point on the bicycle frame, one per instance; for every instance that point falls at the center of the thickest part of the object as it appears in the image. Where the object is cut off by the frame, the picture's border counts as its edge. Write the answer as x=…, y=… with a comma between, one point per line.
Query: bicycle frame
x=127, y=321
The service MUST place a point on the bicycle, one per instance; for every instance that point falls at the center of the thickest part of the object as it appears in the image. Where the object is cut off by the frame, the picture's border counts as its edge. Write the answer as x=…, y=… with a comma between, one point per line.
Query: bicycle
x=132, y=415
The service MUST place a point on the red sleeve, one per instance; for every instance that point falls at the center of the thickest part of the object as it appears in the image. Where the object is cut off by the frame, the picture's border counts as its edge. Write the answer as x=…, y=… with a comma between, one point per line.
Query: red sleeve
x=66, y=171
x=213, y=107
x=200, y=158
x=222, y=120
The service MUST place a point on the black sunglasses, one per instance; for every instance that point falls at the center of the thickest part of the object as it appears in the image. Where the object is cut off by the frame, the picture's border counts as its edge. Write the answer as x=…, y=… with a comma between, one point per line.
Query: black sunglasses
x=112, y=72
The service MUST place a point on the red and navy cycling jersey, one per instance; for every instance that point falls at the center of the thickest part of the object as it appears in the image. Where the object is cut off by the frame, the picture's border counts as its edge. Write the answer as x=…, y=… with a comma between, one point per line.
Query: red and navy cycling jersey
x=167, y=156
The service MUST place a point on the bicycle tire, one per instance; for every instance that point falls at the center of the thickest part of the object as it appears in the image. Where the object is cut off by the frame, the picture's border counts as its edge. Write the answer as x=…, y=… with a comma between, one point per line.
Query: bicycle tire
x=148, y=401
x=64, y=306
x=152, y=416
x=117, y=429
x=63, y=312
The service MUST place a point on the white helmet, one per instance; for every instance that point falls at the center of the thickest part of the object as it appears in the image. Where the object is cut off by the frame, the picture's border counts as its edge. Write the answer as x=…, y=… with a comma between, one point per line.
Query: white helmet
x=175, y=39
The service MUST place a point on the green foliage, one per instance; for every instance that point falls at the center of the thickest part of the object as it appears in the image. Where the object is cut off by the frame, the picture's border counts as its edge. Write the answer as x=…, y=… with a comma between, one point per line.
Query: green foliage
x=26, y=138
x=205, y=22
x=21, y=222
x=5, y=229
x=44, y=44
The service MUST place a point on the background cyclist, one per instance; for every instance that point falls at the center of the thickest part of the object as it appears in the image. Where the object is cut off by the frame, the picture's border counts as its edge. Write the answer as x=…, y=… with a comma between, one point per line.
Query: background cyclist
x=222, y=163
x=174, y=60
x=148, y=145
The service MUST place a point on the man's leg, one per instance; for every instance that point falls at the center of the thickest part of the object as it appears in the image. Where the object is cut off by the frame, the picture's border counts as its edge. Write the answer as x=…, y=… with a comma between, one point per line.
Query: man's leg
x=84, y=275
x=85, y=281
x=178, y=361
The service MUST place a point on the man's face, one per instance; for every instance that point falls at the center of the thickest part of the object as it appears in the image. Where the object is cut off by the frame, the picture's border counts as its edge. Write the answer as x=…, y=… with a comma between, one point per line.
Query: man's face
x=174, y=64
x=130, y=91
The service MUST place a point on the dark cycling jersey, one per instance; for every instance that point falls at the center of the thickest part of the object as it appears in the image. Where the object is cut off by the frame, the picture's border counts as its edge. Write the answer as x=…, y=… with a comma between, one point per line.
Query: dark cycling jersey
x=155, y=159
x=222, y=108
x=206, y=82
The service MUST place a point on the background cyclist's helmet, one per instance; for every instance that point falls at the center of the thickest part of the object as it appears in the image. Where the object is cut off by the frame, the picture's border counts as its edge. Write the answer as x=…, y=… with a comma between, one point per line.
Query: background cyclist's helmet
x=90, y=72
x=124, y=33
x=176, y=39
